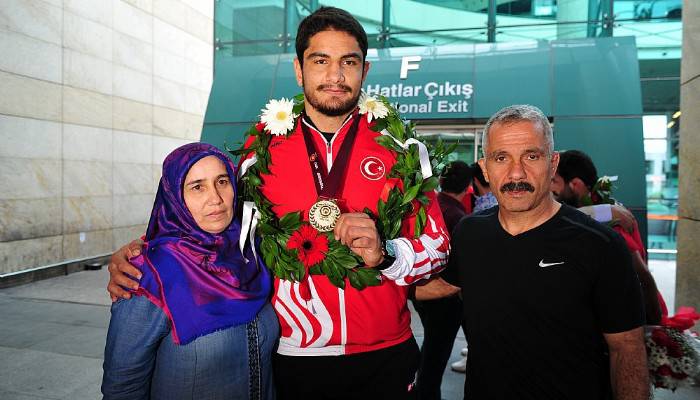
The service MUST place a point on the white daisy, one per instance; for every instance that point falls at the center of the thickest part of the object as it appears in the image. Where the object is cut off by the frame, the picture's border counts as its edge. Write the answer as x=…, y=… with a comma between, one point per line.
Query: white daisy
x=607, y=179
x=278, y=117
x=373, y=107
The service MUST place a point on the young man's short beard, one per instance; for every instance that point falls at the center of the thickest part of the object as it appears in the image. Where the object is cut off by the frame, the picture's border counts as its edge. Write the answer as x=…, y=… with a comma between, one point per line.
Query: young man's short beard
x=568, y=197
x=332, y=110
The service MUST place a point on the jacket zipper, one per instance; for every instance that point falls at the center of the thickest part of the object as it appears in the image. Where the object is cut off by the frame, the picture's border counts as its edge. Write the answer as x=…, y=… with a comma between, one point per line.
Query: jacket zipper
x=329, y=154
x=329, y=145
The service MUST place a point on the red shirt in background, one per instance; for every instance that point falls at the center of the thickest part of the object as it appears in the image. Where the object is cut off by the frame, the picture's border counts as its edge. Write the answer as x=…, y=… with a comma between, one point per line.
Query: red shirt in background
x=468, y=199
x=635, y=244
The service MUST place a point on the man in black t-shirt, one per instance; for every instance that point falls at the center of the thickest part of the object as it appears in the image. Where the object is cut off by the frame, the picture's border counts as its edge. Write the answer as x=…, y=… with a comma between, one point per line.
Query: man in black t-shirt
x=552, y=305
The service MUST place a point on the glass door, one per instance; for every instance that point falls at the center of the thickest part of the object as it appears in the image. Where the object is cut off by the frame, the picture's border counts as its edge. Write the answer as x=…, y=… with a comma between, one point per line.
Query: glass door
x=467, y=138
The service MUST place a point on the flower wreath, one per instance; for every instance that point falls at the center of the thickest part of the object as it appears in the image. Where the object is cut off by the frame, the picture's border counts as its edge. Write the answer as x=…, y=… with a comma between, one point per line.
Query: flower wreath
x=290, y=247
x=601, y=192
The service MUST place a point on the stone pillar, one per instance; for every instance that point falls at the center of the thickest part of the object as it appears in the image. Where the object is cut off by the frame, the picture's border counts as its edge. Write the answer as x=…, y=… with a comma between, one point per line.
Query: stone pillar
x=688, y=264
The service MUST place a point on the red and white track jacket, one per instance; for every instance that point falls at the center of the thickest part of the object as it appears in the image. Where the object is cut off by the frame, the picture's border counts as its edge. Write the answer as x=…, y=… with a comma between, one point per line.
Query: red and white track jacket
x=337, y=321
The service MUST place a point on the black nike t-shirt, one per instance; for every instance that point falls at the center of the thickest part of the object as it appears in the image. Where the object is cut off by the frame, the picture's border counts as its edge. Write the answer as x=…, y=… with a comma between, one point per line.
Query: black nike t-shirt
x=536, y=305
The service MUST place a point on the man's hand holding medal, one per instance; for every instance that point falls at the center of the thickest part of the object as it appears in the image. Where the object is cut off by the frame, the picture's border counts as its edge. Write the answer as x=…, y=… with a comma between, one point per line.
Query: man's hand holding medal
x=359, y=232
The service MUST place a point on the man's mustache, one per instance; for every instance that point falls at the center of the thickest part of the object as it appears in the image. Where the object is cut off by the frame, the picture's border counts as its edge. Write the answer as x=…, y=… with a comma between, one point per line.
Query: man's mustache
x=517, y=187
x=336, y=86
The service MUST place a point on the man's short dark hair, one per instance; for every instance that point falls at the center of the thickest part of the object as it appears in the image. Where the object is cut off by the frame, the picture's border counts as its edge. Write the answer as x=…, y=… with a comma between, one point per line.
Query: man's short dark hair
x=329, y=19
x=577, y=164
x=479, y=176
x=455, y=177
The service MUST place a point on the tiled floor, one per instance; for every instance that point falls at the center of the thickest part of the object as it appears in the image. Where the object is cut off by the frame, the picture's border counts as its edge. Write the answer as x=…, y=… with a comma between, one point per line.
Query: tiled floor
x=52, y=337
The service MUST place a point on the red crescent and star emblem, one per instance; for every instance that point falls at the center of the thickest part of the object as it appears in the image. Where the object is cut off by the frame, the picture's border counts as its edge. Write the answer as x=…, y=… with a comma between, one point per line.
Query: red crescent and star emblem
x=372, y=168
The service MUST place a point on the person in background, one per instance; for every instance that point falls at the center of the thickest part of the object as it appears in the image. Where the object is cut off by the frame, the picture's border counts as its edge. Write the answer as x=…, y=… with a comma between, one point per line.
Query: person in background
x=441, y=318
x=455, y=179
x=483, y=198
x=572, y=184
x=200, y=325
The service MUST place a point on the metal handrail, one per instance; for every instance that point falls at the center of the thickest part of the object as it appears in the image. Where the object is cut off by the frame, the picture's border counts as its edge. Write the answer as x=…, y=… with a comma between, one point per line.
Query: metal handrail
x=474, y=28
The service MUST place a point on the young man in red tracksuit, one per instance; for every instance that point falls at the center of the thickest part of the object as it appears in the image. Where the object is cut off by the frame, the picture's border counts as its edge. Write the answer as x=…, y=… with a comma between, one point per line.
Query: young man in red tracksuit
x=341, y=343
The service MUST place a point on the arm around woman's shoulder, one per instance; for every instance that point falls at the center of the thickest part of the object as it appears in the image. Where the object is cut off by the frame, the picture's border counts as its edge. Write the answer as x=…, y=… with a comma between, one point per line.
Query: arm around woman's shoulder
x=135, y=330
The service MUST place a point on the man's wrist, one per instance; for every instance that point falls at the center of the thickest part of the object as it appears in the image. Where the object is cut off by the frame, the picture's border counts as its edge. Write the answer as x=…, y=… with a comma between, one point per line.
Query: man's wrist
x=388, y=256
x=387, y=261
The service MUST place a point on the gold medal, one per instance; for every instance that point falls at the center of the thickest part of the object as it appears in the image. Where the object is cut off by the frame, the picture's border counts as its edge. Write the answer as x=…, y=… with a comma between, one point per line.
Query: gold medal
x=323, y=215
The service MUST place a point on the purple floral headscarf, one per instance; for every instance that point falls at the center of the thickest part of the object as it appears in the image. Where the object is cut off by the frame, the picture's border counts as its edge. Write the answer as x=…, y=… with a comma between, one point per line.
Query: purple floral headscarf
x=200, y=280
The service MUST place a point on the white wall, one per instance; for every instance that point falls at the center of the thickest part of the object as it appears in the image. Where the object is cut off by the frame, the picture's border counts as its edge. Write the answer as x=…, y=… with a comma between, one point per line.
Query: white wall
x=94, y=95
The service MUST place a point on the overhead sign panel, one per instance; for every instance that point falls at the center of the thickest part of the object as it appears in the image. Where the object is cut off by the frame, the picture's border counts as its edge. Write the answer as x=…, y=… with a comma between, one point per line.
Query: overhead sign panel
x=422, y=83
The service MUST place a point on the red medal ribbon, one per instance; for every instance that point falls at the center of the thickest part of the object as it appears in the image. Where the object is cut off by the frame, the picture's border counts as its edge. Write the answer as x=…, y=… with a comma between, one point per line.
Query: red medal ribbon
x=328, y=183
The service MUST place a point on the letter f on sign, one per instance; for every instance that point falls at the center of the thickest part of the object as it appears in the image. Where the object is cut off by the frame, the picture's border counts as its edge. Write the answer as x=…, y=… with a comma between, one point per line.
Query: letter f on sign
x=409, y=63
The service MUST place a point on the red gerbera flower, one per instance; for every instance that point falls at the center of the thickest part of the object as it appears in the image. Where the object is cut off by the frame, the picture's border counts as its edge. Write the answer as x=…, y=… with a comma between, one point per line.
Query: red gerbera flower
x=310, y=244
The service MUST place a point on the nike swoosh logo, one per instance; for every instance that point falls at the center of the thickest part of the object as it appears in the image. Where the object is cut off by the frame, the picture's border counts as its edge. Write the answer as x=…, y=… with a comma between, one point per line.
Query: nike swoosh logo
x=544, y=264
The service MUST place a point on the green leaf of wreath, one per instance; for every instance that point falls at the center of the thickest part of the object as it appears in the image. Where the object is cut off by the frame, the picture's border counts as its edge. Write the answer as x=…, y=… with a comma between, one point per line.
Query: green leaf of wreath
x=397, y=128
x=346, y=260
x=410, y=194
x=333, y=272
x=253, y=180
x=380, y=125
x=369, y=276
x=385, y=141
x=395, y=228
x=430, y=184
x=291, y=221
x=267, y=229
x=355, y=280
x=316, y=270
x=297, y=270
x=421, y=219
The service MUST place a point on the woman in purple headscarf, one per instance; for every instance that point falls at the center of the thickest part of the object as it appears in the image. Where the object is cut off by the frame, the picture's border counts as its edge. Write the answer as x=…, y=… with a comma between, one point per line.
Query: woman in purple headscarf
x=200, y=325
